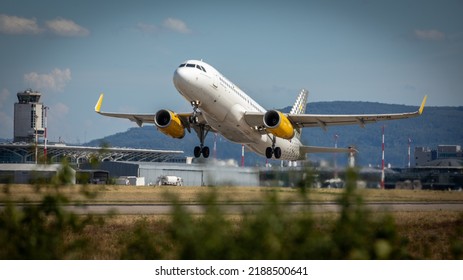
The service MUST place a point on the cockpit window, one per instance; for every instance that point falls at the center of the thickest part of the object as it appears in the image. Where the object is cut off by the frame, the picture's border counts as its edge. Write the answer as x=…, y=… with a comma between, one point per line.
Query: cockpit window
x=191, y=65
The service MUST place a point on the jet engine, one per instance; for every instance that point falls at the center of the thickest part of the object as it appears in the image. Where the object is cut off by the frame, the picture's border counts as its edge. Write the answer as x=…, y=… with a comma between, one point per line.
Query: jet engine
x=169, y=123
x=278, y=124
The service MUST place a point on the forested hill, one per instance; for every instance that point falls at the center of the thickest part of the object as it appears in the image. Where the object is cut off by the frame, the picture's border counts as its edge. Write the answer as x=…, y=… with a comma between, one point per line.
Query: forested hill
x=437, y=125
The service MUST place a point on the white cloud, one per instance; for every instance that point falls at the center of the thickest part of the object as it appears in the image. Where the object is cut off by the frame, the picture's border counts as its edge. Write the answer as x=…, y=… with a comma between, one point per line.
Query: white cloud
x=176, y=25
x=66, y=27
x=18, y=25
x=55, y=81
x=4, y=94
x=169, y=24
x=23, y=26
x=429, y=35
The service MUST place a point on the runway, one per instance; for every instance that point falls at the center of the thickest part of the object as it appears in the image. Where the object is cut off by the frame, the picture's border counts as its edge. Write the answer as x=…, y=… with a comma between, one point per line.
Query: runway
x=238, y=208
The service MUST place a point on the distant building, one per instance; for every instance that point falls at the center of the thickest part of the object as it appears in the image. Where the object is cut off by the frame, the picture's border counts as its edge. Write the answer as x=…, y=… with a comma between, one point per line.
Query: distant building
x=424, y=156
x=31, y=173
x=25, y=153
x=449, y=151
x=28, y=117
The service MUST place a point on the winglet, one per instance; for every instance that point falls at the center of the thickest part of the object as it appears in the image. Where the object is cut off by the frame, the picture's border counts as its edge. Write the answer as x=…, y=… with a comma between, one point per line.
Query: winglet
x=98, y=104
x=422, y=105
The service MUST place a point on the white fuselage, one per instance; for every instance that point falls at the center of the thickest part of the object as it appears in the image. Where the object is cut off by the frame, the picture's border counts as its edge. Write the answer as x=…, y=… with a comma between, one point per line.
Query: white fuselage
x=223, y=105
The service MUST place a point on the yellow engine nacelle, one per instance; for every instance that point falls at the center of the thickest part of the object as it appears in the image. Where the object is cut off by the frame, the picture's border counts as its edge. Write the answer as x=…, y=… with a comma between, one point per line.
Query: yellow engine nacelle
x=169, y=123
x=278, y=124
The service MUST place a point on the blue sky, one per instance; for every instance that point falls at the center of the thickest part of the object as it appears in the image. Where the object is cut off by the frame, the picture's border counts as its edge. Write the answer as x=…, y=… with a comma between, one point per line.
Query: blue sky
x=380, y=51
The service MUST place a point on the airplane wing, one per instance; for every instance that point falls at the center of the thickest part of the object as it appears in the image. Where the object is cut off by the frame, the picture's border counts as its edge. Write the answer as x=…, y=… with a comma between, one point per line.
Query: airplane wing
x=140, y=119
x=137, y=118
x=255, y=119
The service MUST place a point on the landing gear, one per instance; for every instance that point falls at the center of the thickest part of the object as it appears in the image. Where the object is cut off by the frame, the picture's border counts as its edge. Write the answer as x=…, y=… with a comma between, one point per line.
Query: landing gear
x=204, y=151
x=277, y=152
x=270, y=151
x=193, y=119
x=197, y=152
x=201, y=131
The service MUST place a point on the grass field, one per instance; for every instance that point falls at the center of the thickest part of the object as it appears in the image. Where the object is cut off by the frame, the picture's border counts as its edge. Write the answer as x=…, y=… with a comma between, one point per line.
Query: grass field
x=270, y=232
x=426, y=235
x=132, y=194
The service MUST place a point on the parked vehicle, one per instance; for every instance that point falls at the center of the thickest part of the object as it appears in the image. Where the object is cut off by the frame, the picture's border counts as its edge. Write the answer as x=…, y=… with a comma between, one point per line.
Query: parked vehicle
x=169, y=180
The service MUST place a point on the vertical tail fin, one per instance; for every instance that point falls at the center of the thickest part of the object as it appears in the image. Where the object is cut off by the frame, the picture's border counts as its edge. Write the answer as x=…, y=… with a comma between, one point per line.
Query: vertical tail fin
x=301, y=103
x=299, y=108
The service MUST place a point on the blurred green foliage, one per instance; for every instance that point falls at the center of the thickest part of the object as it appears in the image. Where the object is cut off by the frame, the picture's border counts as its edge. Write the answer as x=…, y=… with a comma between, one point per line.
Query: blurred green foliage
x=276, y=229
x=45, y=230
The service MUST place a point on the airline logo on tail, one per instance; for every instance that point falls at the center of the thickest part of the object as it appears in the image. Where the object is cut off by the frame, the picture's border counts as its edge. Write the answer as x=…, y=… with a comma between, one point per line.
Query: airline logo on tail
x=299, y=108
x=301, y=103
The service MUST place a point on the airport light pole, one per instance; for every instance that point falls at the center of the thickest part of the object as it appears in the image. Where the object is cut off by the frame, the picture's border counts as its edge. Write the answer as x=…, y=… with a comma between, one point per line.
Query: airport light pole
x=45, y=140
x=36, y=138
x=382, y=160
x=409, y=144
x=335, y=156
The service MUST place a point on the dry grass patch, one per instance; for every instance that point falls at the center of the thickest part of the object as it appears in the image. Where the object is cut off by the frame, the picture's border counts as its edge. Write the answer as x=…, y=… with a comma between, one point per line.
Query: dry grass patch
x=431, y=235
x=132, y=194
x=427, y=235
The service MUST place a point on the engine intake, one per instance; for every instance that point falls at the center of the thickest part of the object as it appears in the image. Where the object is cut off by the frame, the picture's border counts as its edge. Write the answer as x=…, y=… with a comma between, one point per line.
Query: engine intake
x=169, y=123
x=278, y=124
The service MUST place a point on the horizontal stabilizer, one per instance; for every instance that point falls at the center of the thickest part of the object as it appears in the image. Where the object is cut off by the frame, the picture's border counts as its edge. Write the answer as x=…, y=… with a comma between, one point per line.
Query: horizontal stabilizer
x=315, y=149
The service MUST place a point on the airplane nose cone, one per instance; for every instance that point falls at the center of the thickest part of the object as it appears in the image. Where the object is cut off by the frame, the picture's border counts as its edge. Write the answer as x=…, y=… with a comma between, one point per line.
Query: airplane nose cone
x=181, y=76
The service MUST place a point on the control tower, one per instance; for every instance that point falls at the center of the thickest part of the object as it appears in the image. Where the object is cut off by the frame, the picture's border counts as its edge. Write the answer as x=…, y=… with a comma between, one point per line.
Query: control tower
x=28, y=117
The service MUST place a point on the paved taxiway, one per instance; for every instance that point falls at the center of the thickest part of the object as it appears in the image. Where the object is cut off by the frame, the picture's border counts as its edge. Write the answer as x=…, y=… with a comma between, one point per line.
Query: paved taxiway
x=237, y=208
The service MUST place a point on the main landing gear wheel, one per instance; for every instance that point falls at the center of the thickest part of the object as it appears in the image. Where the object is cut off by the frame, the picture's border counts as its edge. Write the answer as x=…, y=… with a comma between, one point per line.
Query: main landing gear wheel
x=204, y=151
x=273, y=151
x=269, y=152
x=277, y=152
x=197, y=152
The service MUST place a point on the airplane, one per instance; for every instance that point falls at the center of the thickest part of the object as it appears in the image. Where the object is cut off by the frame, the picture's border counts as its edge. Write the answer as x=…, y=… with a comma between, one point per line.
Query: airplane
x=220, y=106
